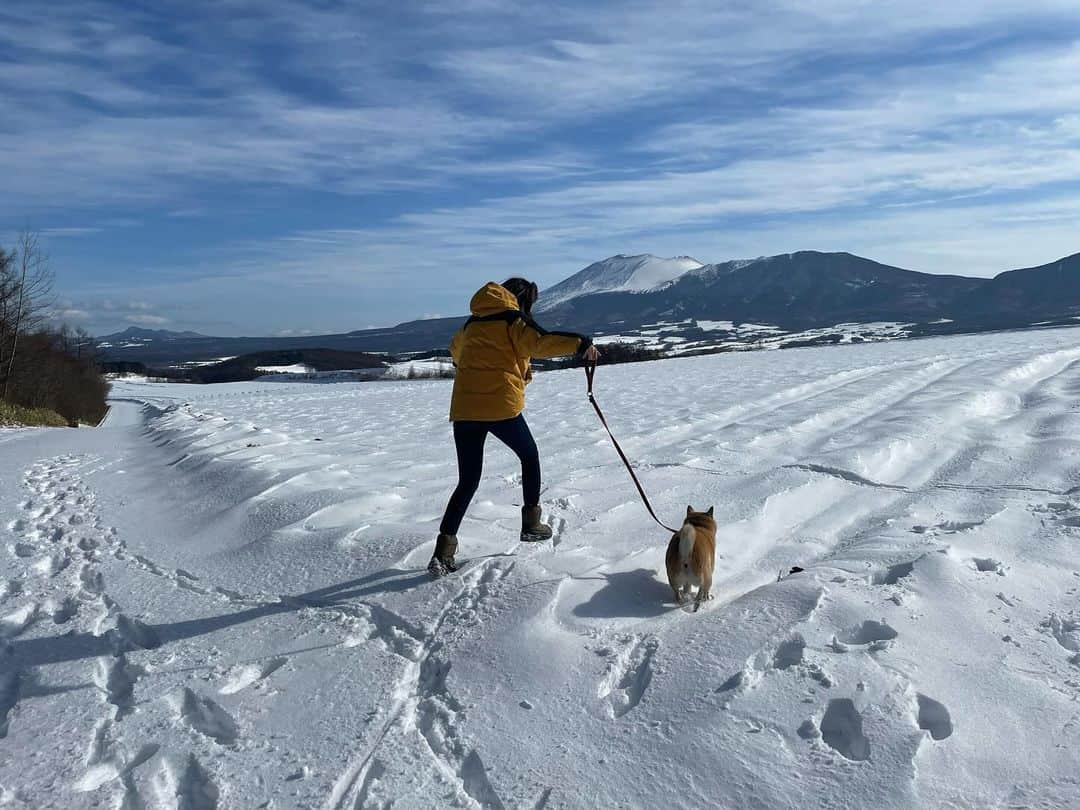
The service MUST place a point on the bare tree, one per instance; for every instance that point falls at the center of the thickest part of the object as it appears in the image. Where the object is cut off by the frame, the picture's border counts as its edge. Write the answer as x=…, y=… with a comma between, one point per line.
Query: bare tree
x=25, y=295
x=43, y=368
x=7, y=298
x=86, y=347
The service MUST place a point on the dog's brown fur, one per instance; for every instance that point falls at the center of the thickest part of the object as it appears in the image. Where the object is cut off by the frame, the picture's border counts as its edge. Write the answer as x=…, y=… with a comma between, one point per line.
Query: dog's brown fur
x=697, y=567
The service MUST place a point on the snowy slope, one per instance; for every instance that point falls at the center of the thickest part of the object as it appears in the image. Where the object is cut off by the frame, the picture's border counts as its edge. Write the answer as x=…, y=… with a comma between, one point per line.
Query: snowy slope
x=218, y=597
x=618, y=274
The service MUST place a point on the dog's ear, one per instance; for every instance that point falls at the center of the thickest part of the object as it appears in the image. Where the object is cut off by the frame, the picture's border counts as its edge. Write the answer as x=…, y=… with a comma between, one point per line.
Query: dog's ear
x=689, y=511
x=709, y=513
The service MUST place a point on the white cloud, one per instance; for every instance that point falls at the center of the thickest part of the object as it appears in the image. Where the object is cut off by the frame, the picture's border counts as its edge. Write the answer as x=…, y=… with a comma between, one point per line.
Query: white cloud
x=65, y=314
x=102, y=314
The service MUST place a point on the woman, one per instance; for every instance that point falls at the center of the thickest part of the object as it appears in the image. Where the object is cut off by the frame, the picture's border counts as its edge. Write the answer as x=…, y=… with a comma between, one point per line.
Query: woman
x=492, y=353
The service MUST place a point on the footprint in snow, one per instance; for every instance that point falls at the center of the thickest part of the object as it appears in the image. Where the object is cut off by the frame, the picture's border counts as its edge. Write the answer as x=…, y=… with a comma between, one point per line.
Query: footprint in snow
x=205, y=716
x=841, y=729
x=736, y=682
x=558, y=529
x=250, y=674
x=107, y=760
x=628, y=676
x=9, y=697
x=989, y=565
x=16, y=622
x=869, y=632
x=131, y=634
x=186, y=784
x=894, y=573
x=23, y=550
x=808, y=730
x=116, y=677
x=65, y=610
x=789, y=653
x=52, y=564
x=1065, y=631
x=934, y=717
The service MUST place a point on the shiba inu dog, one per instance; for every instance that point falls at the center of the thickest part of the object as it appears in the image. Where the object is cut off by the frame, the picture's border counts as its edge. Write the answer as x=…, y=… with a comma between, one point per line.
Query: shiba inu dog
x=691, y=555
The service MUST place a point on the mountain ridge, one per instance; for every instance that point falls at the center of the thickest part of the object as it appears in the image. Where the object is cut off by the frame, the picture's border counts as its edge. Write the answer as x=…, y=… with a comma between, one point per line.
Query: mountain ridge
x=141, y=333
x=799, y=296
x=622, y=272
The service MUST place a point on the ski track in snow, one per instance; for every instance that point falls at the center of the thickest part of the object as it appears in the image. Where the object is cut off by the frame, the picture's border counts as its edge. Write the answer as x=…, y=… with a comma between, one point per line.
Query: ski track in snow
x=929, y=489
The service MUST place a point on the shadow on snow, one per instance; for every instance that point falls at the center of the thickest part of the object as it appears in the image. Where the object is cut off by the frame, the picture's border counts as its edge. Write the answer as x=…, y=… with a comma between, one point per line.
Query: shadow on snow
x=636, y=594
x=75, y=646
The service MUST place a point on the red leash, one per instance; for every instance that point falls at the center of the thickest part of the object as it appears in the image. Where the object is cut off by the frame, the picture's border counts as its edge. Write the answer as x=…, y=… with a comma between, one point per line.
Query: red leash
x=590, y=372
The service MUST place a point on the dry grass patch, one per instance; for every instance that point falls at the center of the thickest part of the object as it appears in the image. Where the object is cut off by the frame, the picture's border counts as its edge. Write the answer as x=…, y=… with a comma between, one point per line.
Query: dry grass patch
x=13, y=415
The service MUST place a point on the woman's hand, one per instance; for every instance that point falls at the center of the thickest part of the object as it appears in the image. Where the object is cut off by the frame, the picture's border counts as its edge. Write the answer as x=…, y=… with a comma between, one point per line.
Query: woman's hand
x=591, y=354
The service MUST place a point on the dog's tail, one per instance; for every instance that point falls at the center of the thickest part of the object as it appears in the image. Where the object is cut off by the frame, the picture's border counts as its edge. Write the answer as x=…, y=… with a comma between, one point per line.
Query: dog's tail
x=687, y=535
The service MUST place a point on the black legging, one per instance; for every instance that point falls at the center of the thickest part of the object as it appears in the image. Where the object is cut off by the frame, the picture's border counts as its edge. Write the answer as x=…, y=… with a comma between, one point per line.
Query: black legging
x=469, y=438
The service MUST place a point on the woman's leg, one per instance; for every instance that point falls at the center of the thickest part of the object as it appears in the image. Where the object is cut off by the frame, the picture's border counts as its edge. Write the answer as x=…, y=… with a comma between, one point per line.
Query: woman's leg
x=515, y=434
x=469, y=441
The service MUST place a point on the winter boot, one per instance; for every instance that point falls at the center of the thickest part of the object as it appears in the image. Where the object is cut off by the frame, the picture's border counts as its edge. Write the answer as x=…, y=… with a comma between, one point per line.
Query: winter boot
x=532, y=530
x=442, y=561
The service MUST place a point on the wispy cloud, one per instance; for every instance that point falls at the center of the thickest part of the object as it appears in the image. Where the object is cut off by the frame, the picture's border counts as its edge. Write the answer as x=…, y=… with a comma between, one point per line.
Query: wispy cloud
x=102, y=315
x=69, y=314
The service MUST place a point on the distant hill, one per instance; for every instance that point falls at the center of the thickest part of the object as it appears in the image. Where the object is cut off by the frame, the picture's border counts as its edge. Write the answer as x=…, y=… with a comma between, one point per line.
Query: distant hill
x=138, y=334
x=682, y=306
x=256, y=364
x=1049, y=290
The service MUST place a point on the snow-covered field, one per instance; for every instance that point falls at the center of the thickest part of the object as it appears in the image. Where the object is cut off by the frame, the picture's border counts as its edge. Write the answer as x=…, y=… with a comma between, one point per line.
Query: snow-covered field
x=680, y=337
x=218, y=598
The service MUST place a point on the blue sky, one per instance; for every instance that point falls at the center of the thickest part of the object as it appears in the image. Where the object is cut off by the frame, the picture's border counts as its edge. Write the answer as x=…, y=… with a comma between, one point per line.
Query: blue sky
x=282, y=167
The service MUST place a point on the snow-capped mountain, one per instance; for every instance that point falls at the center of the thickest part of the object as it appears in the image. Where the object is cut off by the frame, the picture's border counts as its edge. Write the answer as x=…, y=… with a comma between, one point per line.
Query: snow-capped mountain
x=795, y=291
x=618, y=274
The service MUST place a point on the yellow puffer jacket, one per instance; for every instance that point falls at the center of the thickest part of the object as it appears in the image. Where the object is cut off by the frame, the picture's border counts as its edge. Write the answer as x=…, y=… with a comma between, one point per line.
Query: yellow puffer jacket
x=492, y=353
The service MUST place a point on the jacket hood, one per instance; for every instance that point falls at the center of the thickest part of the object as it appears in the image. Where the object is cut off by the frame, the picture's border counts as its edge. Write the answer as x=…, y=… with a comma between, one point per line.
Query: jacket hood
x=491, y=299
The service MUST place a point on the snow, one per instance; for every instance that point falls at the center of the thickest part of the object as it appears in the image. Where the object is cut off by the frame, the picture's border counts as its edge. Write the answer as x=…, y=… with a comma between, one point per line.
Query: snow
x=758, y=327
x=430, y=367
x=218, y=597
x=716, y=326
x=746, y=336
x=618, y=274
x=295, y=368
x=213, y=361
x=711, y=271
